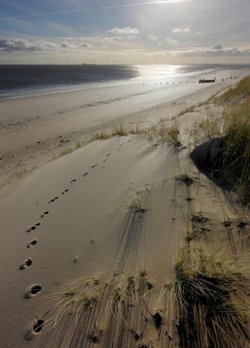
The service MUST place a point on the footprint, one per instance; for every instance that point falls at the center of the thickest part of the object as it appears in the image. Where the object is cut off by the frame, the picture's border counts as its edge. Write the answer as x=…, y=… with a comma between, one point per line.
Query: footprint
x=26, y=263
x=37, y=224
x=94, y=165
x=74, y=180
x=32, y=228
x=38, y=326
x=109, y=154
x=32, y=243
x=84, y=174
x=32, y=290
x=56, y=198
x=44, y=213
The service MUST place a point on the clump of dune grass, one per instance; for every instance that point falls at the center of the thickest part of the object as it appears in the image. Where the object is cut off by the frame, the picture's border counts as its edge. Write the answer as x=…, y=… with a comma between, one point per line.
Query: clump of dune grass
x=232, y=165
x=22, y=172
x=210, y=297
x=158, y=133
x=163, y=134
x=75, y=298
x=206, y=129
x=65, y=152
x=80, y=306
x=235, y=94
x=78, y=144
x=236, y=148
x=117, y=131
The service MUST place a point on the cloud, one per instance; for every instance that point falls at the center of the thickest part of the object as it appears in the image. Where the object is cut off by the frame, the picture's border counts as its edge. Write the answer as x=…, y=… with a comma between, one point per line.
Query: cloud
x=124, y=31
x=218, y=47
x=153, y=38
x=217, y=52
x=24, y=45
x=112, y=39
x=172, y=41
x=11, y=45
x=176, y=30
x=181, y=30
x=75, y=44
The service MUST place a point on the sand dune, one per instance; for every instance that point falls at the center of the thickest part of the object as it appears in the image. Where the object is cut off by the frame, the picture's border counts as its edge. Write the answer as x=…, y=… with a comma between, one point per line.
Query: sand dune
x=102, y=227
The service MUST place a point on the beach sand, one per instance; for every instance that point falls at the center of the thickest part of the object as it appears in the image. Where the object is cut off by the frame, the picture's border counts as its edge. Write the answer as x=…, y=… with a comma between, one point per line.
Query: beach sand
x=111, y=213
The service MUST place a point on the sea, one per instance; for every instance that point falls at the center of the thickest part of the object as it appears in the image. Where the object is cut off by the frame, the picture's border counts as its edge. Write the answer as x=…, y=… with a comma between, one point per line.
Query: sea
x=23, y=80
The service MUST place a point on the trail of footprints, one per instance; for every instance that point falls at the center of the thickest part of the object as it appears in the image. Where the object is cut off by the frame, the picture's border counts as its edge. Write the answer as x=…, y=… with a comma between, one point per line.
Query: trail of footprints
x=35, y=289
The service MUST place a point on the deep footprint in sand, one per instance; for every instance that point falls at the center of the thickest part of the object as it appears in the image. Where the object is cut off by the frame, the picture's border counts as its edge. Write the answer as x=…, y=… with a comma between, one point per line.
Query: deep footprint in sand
x=44, y=213
x=32, y=290
x=84, y=174
x=32, y=243
x=72, y=181
x=94, y=165
x=26, y=263
x=32, y=228
x=38, y=326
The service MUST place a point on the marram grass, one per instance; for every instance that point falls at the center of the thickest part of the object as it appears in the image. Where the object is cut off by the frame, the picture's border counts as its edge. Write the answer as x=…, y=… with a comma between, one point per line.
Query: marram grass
x=210, y=299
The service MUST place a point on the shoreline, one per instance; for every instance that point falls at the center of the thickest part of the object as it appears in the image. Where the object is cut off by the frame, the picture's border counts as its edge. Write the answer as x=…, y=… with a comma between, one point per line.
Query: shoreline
x=59, y=123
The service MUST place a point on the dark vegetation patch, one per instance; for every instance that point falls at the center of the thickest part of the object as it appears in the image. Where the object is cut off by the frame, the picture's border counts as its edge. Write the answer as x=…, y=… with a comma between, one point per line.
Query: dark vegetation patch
x=226, y=159
x=210, y=297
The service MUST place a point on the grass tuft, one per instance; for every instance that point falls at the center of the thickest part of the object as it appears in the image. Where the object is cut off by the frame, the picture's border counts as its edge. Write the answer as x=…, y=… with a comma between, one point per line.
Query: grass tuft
x=234, y=95
x=158, y=133
x=210, y=296
x=236, y=150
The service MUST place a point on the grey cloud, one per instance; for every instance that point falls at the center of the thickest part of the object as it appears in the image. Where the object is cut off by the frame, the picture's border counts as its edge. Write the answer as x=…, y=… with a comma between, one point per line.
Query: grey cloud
x=24, y=45
x=218, y=47
x=112, y=39
x=12, y=45
x=217, y=52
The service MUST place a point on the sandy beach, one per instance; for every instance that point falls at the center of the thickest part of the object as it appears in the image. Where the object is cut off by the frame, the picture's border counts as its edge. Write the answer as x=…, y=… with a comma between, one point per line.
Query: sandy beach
x=102, y=211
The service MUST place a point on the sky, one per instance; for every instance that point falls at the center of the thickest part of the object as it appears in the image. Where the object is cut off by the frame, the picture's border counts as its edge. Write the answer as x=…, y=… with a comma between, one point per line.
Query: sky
x=124, y=31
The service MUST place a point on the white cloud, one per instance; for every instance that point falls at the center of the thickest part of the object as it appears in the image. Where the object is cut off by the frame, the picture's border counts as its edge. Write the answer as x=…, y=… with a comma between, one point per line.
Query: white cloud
x=153, y=38
x=176, y=30
x=181, y=30
x=112, y=39
x=172, y=41
x=124, y=31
